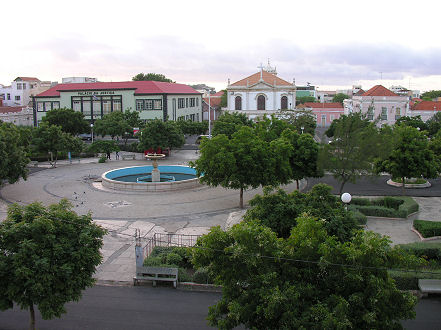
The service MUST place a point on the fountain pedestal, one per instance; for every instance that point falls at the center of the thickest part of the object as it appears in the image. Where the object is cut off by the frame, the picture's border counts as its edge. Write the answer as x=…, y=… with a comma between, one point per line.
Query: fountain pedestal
x=156, y=175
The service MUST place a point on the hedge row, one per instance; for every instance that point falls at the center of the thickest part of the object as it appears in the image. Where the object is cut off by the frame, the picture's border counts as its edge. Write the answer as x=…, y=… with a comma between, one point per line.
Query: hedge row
x=409, y=280
x=428, y=228
x=427, y=250
x=394, y=207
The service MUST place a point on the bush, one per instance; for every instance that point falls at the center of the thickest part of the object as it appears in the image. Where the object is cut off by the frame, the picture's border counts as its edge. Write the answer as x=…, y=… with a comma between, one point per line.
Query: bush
x=153, y=262
x=202, y=276
x=360, y=201
x=102, y=159
x=389, y=202
x=377, y=211
x=359, y=217
x=409, y=280
x=428, y=228
x=428, y=251
x=173, y=259
x=408, y=207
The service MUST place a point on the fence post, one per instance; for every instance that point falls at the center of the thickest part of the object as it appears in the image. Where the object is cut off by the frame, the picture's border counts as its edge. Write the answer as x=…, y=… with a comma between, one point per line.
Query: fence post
x=138, y=249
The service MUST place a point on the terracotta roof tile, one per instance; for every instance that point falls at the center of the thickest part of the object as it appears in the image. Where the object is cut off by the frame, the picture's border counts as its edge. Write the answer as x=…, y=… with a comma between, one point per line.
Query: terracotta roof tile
x=359, y=93
x=11, y=109
x=220, y=93
x=266, y=76
x=27, y=79
x=214, y=101
x=317, y=105
x=379, y=90
x=140, y=87
x=427, y=106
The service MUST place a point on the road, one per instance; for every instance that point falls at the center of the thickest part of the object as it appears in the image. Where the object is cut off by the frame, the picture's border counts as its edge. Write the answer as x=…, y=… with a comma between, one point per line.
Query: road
x=124, y=308
x=105, y=307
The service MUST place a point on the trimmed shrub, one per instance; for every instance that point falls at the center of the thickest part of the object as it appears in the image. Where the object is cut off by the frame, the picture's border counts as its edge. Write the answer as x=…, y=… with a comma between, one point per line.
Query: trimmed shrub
x=408, y=207
x=102, y=159
x=358, y=216
x=360, y=201
x=428, y=251
x=377, y=211
x=389, y=202
x=409, y=280
x=428, y=228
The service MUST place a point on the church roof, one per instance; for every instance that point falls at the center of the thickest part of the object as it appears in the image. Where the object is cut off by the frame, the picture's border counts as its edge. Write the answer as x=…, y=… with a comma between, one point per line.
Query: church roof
x=379, y=90
x=267, y=77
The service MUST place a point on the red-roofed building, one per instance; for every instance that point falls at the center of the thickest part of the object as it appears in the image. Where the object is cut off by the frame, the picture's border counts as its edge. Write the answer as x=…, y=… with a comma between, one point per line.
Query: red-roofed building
x=153, y=99
x=425, y=109
x=324, y=113
x=379, y=103
x=262, y=93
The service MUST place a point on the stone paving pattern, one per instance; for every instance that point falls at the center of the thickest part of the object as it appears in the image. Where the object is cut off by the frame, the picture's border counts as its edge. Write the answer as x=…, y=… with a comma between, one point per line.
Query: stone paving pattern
x=191, y=211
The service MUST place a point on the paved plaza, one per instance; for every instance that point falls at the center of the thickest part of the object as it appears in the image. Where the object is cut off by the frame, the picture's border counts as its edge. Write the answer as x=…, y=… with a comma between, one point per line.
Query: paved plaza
x=190, y=211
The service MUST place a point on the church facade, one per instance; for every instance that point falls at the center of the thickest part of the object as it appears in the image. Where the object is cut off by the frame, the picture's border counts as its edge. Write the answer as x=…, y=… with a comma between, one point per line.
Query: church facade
x=262, y=93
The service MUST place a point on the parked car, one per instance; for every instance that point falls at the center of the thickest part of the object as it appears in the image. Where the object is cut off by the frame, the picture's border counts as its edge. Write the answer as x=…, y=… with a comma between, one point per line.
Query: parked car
x=85, y=136
x=200, y=137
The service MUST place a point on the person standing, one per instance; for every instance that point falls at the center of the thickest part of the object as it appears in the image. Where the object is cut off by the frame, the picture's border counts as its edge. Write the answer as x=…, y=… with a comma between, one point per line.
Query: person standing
x=117, y=155
x=108, y=154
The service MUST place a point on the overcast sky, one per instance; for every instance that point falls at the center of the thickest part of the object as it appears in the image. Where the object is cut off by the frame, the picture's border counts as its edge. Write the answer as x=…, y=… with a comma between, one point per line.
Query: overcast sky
x=331, y=44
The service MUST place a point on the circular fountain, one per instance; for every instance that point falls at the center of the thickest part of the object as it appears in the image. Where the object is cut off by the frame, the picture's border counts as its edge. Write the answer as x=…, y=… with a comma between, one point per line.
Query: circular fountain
x=151, y=178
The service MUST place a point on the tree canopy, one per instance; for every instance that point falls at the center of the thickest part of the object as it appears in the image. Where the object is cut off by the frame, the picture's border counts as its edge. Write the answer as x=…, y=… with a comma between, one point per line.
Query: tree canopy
x=70, y=121
x=244, y=161
x=114, y=124
x=415, y=122
x=229, y=123
x=160, y=134
x=279, y=211
x=300, y=118
x=350, y=155
x=13, y=154
x=428, y=96
x=307, y=281
x=104, y=146
x=223, y=102
x=152, y=77
x=434, y=124
x=411, y=156
x=47, y=257
x=339, y=97
x=50, y=139
x=192, y=127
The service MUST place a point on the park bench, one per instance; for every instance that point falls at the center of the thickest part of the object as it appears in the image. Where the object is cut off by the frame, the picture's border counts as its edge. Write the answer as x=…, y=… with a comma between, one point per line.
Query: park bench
x=128, y=156
x=429, y=286
x=154, y=274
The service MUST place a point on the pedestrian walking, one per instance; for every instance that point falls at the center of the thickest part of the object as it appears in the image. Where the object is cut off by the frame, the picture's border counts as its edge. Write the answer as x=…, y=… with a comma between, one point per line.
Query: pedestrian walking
x=117, y=155
x=108, y=154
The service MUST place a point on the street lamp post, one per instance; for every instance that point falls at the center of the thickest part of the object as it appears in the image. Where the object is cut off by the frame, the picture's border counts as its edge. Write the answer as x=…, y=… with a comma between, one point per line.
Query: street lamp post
x=302, y=128
x=209, y=114
x=346, y=198
x=91, y=127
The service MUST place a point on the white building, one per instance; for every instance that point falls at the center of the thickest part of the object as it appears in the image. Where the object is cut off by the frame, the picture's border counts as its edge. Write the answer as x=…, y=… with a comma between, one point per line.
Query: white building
x=78, y=80
x=19, y=116
x=379, y=103
x=262, y=93
x=21, y=91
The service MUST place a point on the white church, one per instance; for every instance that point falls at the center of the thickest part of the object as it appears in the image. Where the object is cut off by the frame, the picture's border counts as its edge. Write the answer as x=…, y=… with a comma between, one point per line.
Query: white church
x=262, y=93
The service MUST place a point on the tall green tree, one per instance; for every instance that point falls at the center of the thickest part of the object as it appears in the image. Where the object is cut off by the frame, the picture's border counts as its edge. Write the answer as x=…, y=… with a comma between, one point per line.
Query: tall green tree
x=113, y=124
x=223, y=102
x=192, y=127
x=103, y=146
x=244, y=161
x=13, y=154
x=152, y=77
x=132, y=118
x=47, y=257
x=279, y=210
x=339, y=97
x=229, y=123
x=51, y=139
x=304, y=158
x=416, y=122
x=160, y=134
x=351, y=154
x=70, y=121
x=303, y=121
x=434, y=124
x=411, y=156
x=308, y=281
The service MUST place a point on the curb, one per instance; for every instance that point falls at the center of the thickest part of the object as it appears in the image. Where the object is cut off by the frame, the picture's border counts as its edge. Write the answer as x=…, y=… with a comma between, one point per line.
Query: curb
x=423, y=238
x=409, y=185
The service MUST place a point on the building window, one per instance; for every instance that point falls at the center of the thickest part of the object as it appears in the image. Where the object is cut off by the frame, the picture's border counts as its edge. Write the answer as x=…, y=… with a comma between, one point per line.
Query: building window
x=17, y=97
x=24, y=85
x=186, y=102
x=181, y=103
x=284, y=103
x=40, y=106
x=76, y=105
x=397, y=114
x=148, y=104
x=192, y=102
x=238, y=103
x=55, y=105
x=383, y=113
x=139, y=105
x=331, y=118
x=18, y=85
x=261, y=102
x=370, y=113
x=157, y=104
x=107, y=105
x=197, y=101
x=9, y=96
x=117, y=105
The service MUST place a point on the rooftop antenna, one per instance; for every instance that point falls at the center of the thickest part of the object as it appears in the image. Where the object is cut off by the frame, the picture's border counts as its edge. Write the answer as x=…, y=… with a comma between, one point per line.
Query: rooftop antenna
x=261, y=71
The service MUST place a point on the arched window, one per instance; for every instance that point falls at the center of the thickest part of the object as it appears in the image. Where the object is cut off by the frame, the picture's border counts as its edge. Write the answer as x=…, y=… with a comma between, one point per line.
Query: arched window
x=238, y=103
x=284, y=103
x=261, y=102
